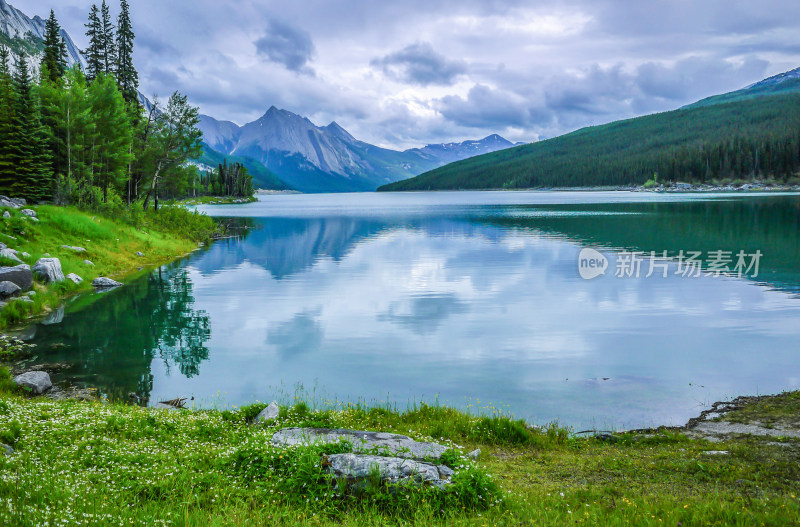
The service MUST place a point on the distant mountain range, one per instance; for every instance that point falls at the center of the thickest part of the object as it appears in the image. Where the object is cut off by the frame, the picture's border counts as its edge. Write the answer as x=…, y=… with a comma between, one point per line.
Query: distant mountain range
x=26, y=35
x=725, y=137
x=312, y=158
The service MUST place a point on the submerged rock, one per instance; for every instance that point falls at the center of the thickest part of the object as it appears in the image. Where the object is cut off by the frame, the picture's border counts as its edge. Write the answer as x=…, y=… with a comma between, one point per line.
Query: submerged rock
x=49, y=270
x=54, y=317
x=8, y=289
x=372, y=442
x=268, y=414
x=357, y=468
x=101, y=282
x=37, y=381
x=20, y=275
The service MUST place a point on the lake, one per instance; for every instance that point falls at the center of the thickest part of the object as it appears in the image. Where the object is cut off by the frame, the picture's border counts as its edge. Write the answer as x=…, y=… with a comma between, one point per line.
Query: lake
x=480, y=300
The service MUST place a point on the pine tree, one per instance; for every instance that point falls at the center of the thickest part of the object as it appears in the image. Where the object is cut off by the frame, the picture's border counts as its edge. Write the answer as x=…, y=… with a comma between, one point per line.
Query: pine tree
x=127, y=78
x=95, y=62
x=28, y=141
x=112, y=151
x=7, y=172
x=55, y=49
x=108, y=44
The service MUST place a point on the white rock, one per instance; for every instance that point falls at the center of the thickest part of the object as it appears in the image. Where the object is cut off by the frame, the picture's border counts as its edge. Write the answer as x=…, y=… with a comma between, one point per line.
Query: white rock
x=101, y=282
x=10, y=254
x=474, y=454
x=8, y=289
x=48, y=270
x=6, y=215
x=268, y=414
x=75, y=278
x=381, y=442
x=28, y=212
x=356, y=468
x=37, y=381
x=88, y=262
x=73, y=248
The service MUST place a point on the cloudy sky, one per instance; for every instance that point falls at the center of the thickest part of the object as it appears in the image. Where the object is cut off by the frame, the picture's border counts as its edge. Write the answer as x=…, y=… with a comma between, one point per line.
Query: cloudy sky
x=402, y=74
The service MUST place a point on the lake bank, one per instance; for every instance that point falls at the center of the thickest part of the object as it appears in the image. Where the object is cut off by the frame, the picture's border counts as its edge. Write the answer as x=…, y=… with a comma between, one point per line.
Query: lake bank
x=90, y=245
x=123, y=464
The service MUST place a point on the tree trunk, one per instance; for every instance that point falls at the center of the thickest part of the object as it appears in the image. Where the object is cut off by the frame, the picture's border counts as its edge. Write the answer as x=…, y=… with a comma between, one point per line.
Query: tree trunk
x=152, y=188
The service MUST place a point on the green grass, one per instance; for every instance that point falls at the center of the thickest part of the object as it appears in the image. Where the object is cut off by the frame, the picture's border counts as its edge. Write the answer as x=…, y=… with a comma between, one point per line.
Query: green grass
x=115, y=464
x=769, y=410
x=111, y=244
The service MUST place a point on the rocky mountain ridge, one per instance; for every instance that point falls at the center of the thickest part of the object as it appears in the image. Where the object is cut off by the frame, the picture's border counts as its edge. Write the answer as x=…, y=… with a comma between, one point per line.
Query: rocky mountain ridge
x=328, y=158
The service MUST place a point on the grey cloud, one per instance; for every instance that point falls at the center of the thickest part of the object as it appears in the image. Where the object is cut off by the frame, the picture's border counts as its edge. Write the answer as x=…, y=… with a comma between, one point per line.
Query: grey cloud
x=484, y=107
x=420, y=64
x=697, y=77
x=286, y=45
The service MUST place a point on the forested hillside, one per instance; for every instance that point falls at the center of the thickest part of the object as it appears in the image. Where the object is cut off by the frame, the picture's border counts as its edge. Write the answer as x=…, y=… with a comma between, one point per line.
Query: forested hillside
x=755, y=137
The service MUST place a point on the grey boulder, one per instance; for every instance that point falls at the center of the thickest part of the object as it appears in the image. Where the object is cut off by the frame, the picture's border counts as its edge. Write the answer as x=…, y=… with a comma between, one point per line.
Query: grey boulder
x=49, y=270
x=73, y=248
x=6, y=215
x=371, y=442
x=28, y=212
x=101, y=282
x=268, y=414
x=37, y=381
x=10, y=254
x=139, y=253
x=20, y=275
x=89, y=263
x=7, y=450
x=75, y=278
x=357, y=468
x=8, y=289
x=14, y=203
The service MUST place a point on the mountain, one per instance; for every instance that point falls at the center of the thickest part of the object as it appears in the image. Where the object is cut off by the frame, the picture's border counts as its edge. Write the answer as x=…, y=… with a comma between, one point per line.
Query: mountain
x=26, y=35
x=787, y=82
x=750, y=133
x=328, y=158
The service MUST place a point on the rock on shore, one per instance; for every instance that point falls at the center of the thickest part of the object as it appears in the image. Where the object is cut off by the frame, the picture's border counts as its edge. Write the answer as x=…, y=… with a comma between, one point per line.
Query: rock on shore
x=372, y=442
x=37, y=381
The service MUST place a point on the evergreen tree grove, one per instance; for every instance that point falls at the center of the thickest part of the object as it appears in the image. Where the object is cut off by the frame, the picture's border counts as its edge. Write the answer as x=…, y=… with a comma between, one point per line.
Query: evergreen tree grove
x=55, y=49
x=108, y=45
x=27, y=141
x=95, y=61
x=127, y=77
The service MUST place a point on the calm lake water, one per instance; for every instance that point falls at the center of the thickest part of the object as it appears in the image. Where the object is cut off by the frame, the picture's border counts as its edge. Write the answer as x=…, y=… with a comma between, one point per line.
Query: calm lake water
x=472, y=297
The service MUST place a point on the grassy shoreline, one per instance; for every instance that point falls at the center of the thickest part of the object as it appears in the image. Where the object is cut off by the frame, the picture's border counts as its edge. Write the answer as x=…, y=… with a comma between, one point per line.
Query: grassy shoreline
x=102, y=463
x=111, y=244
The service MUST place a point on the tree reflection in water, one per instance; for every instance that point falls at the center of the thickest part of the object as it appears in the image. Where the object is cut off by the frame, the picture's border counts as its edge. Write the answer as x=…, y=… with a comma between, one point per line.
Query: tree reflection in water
x=112, y=344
